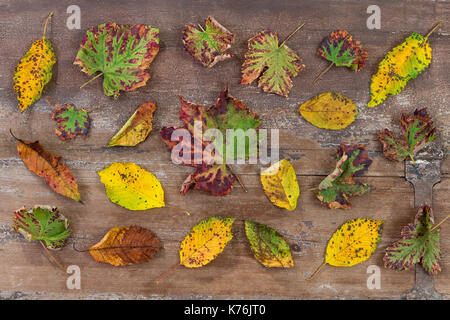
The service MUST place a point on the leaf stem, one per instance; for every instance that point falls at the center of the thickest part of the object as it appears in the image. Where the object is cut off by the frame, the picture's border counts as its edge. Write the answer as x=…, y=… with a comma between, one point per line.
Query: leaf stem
x=52, y=257
x=436, y=226
x=432, y=30
x=323, y=72
x=176, y=208
x=165, y=274
x=46, y=22
x=237, y=177
x=201, y=28
x=92, y=79
x=412, y=159
x=317, y=271
x=292, y=33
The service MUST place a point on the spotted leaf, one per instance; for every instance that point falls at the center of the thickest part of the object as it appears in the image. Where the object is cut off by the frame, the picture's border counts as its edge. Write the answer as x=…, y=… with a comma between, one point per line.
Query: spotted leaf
x=70, y=122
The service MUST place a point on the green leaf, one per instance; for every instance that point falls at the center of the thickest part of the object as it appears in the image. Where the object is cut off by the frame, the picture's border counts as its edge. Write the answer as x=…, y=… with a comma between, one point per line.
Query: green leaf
x=122, y=53
x=338, y=187
x=417, y=131
x=71, y=122
x=208, y=45
x=274, y=65
x=419, y=244
x=42, y=223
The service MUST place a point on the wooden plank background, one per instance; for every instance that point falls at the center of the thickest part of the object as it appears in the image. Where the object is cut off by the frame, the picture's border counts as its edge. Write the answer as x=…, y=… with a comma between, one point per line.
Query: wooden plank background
x=25, y=271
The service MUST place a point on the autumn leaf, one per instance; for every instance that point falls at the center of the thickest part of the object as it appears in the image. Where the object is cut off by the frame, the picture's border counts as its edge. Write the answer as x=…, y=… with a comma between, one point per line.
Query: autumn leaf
x=338, y=187
x=280, y=185
x=137, y=128
x=34, y=71
x=42, y=223
x=353, y=243
x=123, y=246
x=70, y=122
x=228, y=113
x=419, y=244
x=274, y=64
x=132, y=187
x=268, y=246
x=342, y=51
x=329, y=110
x=121, y=53
x=208, y=45
x=55, y=173
x=417, y=131
x=401, y=64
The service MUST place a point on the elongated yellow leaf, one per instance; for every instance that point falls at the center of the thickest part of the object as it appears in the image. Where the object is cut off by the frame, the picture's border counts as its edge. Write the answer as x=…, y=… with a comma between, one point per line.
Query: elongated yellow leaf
x=329, y=110
x=280, y=185
x=132, y=187
x=34, y=71
x=206, y=240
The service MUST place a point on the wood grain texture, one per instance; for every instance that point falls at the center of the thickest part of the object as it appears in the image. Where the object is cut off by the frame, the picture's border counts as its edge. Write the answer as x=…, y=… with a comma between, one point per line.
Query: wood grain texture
x=25, y=271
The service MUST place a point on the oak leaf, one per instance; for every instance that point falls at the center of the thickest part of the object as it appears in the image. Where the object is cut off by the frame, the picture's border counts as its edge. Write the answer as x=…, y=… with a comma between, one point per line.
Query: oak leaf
x=137, y=128
x=123, y=246
x=34, y=71
x=70, y=122
x=209, y=45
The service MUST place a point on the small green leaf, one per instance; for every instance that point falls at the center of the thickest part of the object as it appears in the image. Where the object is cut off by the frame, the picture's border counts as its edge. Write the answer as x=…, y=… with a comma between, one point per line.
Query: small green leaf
x=71, y=122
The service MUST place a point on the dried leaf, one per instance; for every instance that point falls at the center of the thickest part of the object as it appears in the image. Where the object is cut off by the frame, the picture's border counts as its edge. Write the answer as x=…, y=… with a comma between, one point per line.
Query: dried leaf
x=228, y=113
x=274, y=64
x=42, y=223
x=125, y=246
x=338, y=187
x=268, y=246
x=280, y=184
x=401, y=64
x=121, y=53
x=205, y=241
x=419, y=244
x=329, y=110
x=137, y=128
x=55, y=173
x=34, y=71
x=209, y=45
x=132, y=187
x=70, y=122
x=417, y=131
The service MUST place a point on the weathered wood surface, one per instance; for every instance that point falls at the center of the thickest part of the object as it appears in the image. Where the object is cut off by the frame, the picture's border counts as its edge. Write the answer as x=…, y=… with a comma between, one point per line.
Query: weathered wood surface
x=25, y=271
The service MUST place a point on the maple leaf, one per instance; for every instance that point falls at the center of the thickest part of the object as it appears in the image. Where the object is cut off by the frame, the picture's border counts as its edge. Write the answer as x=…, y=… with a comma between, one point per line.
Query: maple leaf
x=208, y=45
x=274, y=64
x=71, y=122
x=417, y=131
x=228, y=113
x=338, y=187
x=123, y=246
x=43, y=223
x=121, y=53
x=34, y=71
x=401, y=64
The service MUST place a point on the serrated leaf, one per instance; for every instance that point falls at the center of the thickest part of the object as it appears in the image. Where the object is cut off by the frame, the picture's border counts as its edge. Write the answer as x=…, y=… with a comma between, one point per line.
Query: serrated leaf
x=419, y=244
x=132, y=187
x=280, y=184
x=417, y=131
x=70, y=122
x=123, y=246
x=341, y=50
x=228, y=113
x=268, y=246
x=338, y=187
x=403, y=63
x=329, y=110
x=209, y=45
x=121, y=53
x=42, y=223
x=34, y=71
x=55, y=173
x=137, y=128
x=275, y=65
x=205, y=241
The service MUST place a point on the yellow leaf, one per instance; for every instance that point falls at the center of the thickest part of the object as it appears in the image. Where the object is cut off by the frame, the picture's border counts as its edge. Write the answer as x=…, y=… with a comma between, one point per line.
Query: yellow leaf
x=34, y=71
x=137, y=128
x=206, y=240
x=280, y=185
x=132, y=187
x=329, y=110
